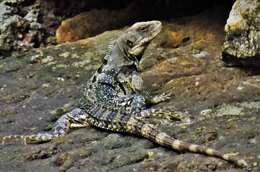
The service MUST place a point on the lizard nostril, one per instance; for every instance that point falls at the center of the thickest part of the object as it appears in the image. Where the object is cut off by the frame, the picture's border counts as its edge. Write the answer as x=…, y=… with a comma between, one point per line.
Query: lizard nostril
x=94, y=79
x=104, y=61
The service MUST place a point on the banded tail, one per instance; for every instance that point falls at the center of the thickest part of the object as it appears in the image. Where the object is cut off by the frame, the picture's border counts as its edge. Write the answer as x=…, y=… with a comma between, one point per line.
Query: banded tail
x=28, y=139
x=150, y=132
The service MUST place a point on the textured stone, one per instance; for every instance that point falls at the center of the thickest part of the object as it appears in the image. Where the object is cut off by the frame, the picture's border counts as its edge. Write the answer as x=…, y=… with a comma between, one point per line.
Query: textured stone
x=19, y=29
x=242, y=42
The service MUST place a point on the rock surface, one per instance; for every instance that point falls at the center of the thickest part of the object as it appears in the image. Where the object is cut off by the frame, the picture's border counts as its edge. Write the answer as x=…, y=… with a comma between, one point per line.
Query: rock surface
x=96, y=21
x=38, y=86
x=242, y=42
x=22, y=25
x=14, y=28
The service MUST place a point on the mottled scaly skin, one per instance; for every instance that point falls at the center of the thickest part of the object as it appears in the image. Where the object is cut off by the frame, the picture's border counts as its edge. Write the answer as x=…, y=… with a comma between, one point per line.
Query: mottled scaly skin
x=111, y=98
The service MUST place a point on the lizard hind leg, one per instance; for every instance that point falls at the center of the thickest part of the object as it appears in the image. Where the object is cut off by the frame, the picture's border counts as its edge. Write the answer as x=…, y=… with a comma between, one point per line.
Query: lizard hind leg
x=72, y=119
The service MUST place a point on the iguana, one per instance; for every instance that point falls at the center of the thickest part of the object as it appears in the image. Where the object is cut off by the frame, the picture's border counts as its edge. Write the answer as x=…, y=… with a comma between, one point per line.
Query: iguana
x=112, y=101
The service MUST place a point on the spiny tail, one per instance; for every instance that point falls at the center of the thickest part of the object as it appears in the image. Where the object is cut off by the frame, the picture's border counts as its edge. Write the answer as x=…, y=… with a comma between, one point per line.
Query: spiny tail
x=28, y=139
x=150, y=132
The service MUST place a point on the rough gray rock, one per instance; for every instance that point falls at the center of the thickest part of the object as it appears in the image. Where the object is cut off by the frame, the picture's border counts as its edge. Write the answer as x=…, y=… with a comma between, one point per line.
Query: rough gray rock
x=242, y=42
x=19, y=25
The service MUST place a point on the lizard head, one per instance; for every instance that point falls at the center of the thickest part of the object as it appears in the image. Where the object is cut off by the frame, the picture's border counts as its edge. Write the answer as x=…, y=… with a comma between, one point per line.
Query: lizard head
x=135, y=40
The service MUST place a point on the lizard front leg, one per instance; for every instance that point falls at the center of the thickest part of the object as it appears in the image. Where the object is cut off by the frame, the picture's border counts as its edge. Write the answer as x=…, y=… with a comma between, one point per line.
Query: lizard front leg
x=137, y=105
x=133, y=83
x=72, y=119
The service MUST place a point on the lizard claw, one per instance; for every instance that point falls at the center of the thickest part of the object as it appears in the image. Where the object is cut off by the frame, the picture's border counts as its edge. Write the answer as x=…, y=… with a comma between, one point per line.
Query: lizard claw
x=161, y=98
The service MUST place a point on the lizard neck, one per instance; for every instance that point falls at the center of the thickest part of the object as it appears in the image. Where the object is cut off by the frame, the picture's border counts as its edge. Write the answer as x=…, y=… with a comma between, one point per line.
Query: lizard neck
x=111, y=64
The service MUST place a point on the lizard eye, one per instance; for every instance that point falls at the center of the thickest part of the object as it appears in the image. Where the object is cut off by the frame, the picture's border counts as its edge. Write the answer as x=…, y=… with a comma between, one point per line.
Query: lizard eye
x=143, y=28
x=129, y=43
